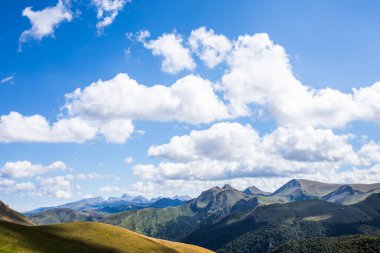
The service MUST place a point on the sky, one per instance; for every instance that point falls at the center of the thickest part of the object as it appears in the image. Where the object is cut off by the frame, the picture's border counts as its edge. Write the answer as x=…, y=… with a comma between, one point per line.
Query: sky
x=159, y=98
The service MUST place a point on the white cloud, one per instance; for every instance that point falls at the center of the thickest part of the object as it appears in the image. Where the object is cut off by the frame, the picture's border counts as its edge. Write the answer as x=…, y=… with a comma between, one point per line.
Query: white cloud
x=15, y=127
x=128, y=160
x=58, y=186
x=44, y=21
x=107, y=10
x=209, y=47
x=27, y=186
x=176, y=57
x=110, y=189
x=5, y=184
x=92, y=175
x=117, y=131
x=310, y=145
x=222, y=141
x=21, y=169
x=259, y=73
x=370, y=153
x=121, y=98
x=6, y=79
x=232, y=150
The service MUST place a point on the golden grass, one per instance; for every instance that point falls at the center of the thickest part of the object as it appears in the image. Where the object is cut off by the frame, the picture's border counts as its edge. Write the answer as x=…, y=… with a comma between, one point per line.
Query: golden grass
x=84, y=237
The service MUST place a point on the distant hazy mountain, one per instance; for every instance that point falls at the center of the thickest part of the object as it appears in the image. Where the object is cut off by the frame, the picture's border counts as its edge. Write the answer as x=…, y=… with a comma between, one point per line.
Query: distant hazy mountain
x=10, y=215
x=110, y=205
x=301, y=189
x=62, y=215
x=165, y=202
x=253, y=190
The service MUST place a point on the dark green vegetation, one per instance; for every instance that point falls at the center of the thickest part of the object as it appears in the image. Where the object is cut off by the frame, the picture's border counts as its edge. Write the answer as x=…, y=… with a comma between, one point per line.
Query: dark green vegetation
x=343, y=244
x=7, y=214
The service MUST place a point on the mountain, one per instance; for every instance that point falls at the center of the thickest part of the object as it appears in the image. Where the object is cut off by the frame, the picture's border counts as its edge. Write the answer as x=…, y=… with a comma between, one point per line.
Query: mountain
x=112, y=204
x=165, y=202
x=302, y=189
x=10, y=215
x=61, y=215
x=90, y=203
x=268, y=226
x=253, y=190
x=83, y=237
x=177, y=222
x=346, y=244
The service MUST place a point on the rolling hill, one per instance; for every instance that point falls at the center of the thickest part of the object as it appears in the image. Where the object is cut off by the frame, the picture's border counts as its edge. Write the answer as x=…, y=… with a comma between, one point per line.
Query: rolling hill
x=10, y=215
x=83, y=237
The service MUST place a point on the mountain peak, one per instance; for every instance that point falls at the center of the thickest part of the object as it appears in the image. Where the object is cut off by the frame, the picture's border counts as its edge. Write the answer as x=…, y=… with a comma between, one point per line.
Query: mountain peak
x=227, y=186
x=253, y=190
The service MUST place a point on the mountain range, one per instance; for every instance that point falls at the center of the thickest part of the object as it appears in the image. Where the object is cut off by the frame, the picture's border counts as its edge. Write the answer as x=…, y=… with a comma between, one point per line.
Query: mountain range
x=297, y=215
x=93, y=209
x=228, y=220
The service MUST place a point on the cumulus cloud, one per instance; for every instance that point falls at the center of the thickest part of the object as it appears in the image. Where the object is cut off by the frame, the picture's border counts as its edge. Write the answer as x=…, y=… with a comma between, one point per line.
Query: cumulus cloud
x=58, y=186
x=107, y=10
x=209, y=47
x=259, y=73
x=128, y=160
x=233, y=150
x=45, y=21
x=121, y=98
x=176, y=57
x=15, y=127
x=21, y=169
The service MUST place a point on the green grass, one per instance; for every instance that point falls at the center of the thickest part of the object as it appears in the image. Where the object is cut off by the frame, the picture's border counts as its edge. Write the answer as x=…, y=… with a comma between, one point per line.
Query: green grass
x=83, y=237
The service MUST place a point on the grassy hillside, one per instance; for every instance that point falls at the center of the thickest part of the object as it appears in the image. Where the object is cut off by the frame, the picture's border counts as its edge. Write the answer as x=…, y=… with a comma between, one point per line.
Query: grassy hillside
x=346, y=244
x=7, y=214
x=83, y=237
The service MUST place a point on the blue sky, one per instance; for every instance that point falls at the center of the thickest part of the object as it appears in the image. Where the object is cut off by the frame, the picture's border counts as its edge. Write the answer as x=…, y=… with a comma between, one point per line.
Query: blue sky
x=317, y=134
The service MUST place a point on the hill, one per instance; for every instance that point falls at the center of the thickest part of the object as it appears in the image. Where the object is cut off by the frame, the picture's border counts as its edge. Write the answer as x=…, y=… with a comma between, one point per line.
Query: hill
x=83, y=237
x=346, y=244
x=10, y=215
x=61, y=215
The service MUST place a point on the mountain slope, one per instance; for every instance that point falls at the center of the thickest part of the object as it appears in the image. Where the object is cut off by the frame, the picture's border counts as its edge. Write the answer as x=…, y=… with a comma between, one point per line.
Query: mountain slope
x=166, y=202
x=61, y=215
x=302, y=189
x=177, y=222
x=83, y=237
x=253, y=190
x=346, y=244
x=267, y=226
x=7, y=214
